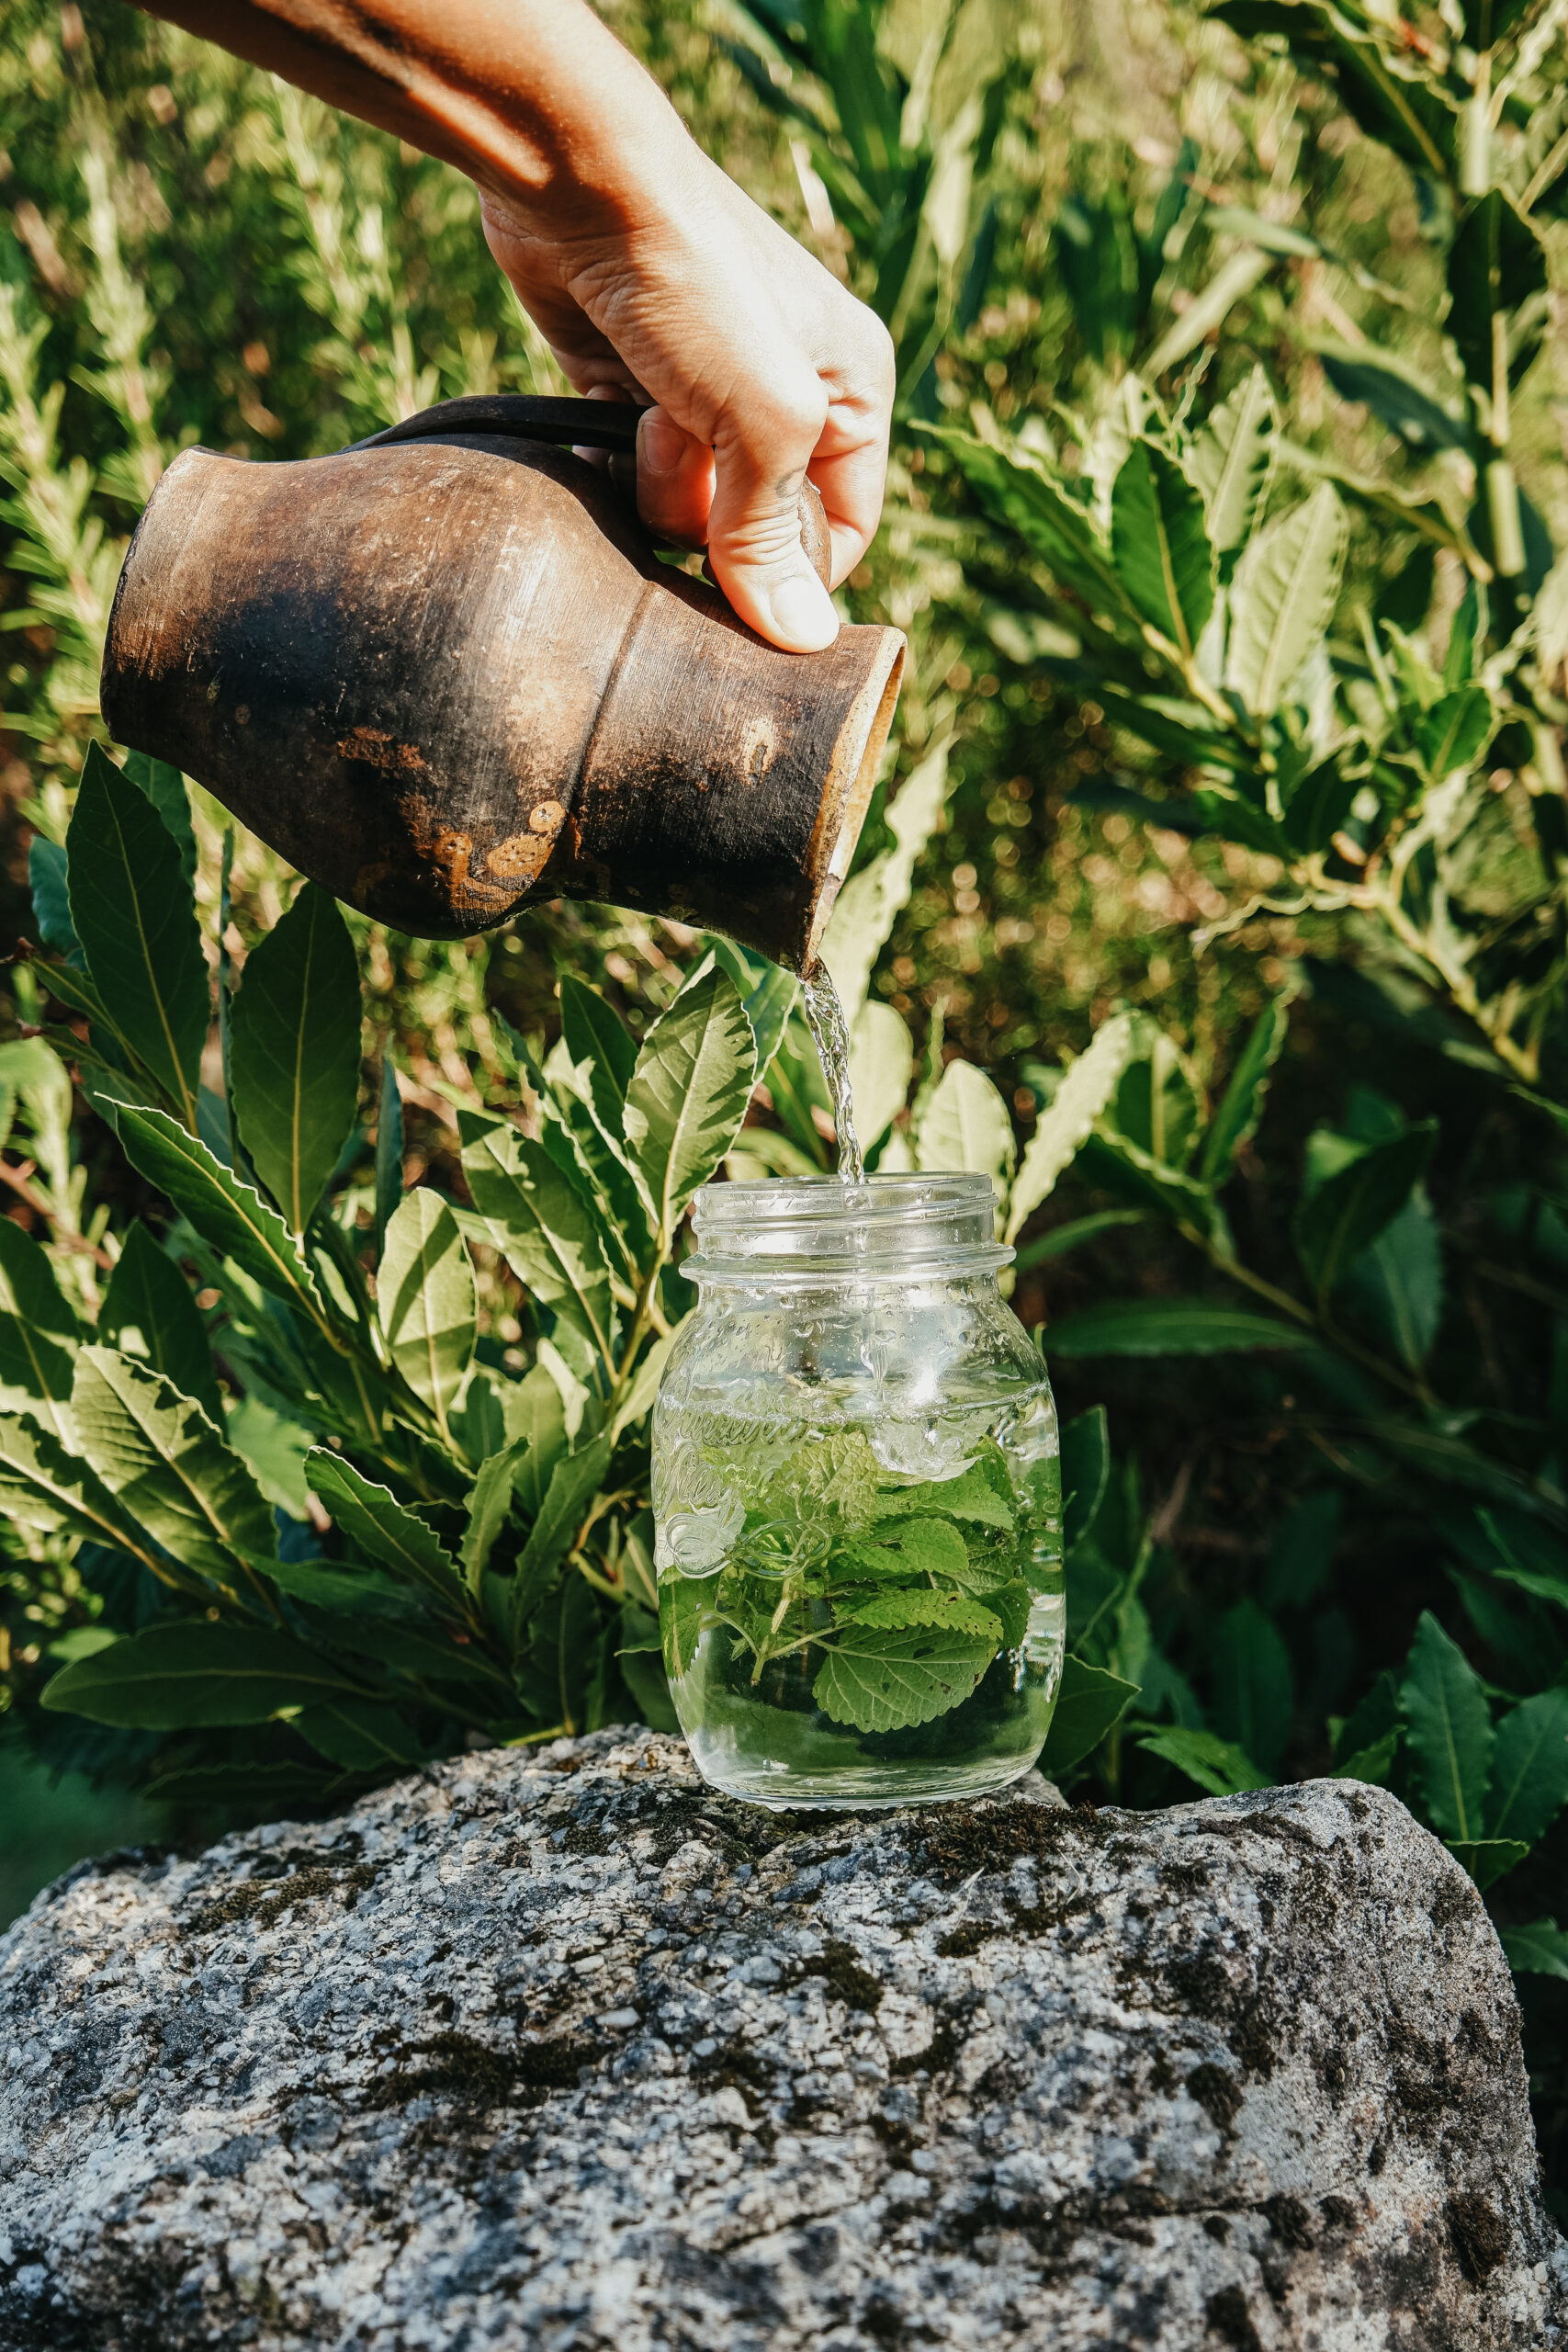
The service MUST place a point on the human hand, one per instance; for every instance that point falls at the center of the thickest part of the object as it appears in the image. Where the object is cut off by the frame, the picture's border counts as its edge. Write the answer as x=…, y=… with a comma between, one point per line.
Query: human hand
x=761, y=368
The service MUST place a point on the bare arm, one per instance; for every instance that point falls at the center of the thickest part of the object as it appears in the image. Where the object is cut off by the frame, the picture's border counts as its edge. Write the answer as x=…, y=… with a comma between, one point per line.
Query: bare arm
x=646, y=269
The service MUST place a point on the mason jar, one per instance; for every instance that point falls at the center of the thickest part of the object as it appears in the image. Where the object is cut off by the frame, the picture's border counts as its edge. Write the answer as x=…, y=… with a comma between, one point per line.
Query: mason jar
x=857, y=1495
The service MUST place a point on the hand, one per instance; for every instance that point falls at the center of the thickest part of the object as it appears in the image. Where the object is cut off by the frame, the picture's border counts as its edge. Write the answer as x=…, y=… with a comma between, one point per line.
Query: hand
x=760, y=367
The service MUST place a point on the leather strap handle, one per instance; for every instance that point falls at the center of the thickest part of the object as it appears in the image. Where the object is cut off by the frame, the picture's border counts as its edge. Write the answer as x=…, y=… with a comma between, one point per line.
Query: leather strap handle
x=583, y=424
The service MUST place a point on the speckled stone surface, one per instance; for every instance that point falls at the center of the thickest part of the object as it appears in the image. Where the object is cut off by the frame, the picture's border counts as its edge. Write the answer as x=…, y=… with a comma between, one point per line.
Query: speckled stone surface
x=558, y=2050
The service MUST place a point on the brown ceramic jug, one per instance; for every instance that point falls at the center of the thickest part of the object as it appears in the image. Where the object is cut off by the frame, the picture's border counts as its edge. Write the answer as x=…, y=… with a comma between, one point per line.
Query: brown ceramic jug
x=445, y=674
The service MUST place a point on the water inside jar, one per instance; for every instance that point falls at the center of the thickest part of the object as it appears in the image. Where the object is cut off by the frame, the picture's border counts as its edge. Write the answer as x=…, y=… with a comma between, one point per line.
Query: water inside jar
x=825, y=1017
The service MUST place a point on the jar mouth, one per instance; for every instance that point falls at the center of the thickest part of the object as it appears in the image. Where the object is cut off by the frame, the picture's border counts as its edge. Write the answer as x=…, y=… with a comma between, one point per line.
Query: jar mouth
x=885, y=1229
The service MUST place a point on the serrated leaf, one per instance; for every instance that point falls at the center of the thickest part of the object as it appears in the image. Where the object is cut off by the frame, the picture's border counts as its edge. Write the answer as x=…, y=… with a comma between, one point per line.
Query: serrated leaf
x=598, y=1039
x=965, y=1125
x=890, y=1678
x=229, y=1215
x=980, y=1494
x=196, y=1673
x=1215, y=1764
x=1068, y=1118
x=149, y=1312
x=535, y=1418
x=956, y=1611
x=345, y=1589
x=688, y=1094
x=574, y=1481
x=1160, y=545
x=359, y=1735
x=1241, y=1106
x=1350, y=1208
x=1230, y=461
x=380, y=1527
x=909, y=1548
x=44, y=1485
x=294, y=1052
x=424, y=1299
x=1449, y=1731
x=1168, y=1327
x=541, y=1224
x=1529, y=1768
x=1283, y=599
x=489, y=1504
x=133, y=914
x=167, y=1465
x=1090, y=1704
x=388, y=1151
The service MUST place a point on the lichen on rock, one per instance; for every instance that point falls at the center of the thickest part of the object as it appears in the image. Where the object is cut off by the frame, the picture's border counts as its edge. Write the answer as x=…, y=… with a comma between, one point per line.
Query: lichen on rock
x=559, y=2050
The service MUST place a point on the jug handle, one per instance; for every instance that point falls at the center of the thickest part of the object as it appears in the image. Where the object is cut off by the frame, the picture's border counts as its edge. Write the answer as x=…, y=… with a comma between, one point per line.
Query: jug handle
x=578, y=424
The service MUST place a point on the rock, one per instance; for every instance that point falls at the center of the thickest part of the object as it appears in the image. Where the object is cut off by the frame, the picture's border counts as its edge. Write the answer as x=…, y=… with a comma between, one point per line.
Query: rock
x=558, y=2050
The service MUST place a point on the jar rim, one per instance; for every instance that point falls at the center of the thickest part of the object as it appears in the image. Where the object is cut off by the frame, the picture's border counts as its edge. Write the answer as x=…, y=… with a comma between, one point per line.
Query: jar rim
x=817, y=1228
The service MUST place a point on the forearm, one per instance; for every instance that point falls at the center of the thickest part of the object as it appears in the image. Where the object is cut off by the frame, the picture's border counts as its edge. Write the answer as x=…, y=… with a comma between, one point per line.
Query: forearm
x=535, y=99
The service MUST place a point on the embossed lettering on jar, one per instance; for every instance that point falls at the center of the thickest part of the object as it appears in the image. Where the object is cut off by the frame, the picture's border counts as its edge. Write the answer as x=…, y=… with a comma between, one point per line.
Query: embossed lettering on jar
x=857, y=1490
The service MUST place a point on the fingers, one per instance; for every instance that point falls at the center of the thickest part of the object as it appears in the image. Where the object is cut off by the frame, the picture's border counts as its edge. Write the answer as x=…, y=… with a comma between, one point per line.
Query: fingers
x=674, y=480
x=762, y=451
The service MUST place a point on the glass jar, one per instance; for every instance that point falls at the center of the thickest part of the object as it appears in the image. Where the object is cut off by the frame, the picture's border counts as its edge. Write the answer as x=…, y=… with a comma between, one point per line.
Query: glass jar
x=857, y=1495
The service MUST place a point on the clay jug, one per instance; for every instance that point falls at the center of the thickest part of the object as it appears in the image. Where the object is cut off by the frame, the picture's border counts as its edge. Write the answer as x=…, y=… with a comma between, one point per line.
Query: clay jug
x=445, y=674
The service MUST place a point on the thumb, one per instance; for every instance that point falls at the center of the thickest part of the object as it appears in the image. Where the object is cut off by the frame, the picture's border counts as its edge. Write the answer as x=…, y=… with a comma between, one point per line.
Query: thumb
x=754, y=537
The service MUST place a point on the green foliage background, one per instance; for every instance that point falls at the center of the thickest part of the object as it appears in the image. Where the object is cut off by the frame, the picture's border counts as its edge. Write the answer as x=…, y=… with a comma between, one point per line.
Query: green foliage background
x=1217, y=906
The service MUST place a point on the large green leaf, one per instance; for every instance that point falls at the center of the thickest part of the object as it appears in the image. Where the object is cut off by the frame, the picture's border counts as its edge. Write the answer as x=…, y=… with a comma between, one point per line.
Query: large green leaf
x=965, y=1125
x=1090, y=1704
x=43, y=1484
x=688, y=1094
x=1452, y=733
x=1215, y=1764
x=164, y=786
x=174, y=1677
x=1230, y=461
x=882, y=1061
x=535, y=1421
x=890, y=1678
x=227, y=1214
x=1400, y=1278
x=1392, y=395
x=359, y=1735
x=574, y=1481
x=134, y=916
x=1529, y=1768
x=1350, y=1208
x=1253, y=1684
x=381, y=1528
x=541, y=1223
x=489, y=1504
x=346, y=1588
x=1449, y=1730
x=1539, y=1949
x=166, y=1464
x=425, y=1298
x=1068, y=1118
x=149, y=1312
x=38, y=1331
x=1241, y=1106
x=1168, y=1327
x=598, y=1038
x=49, y=879
x=294, y=1052
x=1160, y=545
x=1283, y=599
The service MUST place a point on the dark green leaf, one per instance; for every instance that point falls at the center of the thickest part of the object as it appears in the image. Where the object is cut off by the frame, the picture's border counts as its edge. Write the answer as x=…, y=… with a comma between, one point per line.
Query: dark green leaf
x=542, y=1225
x=1453, y=733
x=1253, y=1687
x=1400, y=1280
x=536, y=1420
x=1318, y=807
x=1168, y=1326
x=489, y=1502
x=343, y=1589
x=166, y=788
x=1302, y=1551
x=1350, y=1208
x=263, y=1791
x=891, y=1679
x=149, y=1312
x=1449, y=1728
x=43, y=1485
x=1160, y=545
x=295, y=1052
x=1215, y=1764
x=688, y=1094
x=388, y=1151
x=380, y=1527
x=38, y=1331
x=1071, y=1235
x=1090, y=1704
x=574, y=1481
x=1414, y=414
x=1529, y=1768
x=196, y=1673
x=133, y=914
x=359, y=1735
x=229, y=1215
x=424, y=1299
x=1086, y=1471
x=1496, y=264
x=1241, y=1107
x=1539, y=1949
x=1487, y=1859
x=596, y=1034
x=47, y=875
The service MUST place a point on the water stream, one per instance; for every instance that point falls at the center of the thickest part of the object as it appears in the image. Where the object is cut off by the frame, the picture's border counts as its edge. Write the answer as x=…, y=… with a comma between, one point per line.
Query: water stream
x=825, y=1016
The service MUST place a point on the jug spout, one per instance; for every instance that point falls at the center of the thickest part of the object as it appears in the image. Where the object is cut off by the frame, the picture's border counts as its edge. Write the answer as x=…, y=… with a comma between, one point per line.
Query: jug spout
x=448, y=677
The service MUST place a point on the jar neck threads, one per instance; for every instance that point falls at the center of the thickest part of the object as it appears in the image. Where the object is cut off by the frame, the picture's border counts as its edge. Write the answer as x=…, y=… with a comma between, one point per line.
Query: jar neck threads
x=888, y=1228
